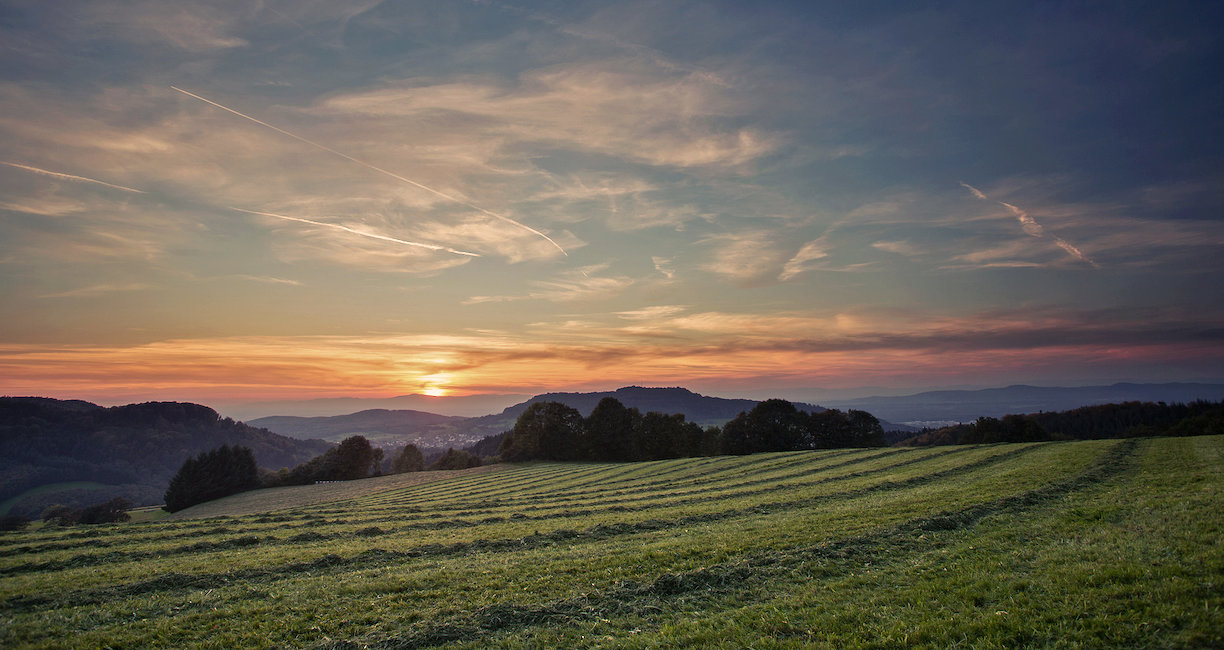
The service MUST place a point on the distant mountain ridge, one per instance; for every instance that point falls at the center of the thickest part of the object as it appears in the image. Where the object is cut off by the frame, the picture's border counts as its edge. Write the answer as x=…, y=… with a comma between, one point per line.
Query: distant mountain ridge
x=377, y=425
x=968, y=405
x=459, y=406
x=394, y=427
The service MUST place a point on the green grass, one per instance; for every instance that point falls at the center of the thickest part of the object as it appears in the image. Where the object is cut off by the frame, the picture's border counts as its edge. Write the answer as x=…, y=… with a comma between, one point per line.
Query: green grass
x=50, y=488
x=1084, y=544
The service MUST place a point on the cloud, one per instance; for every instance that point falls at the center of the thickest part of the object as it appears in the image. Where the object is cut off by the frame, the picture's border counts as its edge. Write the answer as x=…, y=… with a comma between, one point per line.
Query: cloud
x=669, y=118
x=652, y=313
x=905, y=248
x=849, y=347
x=664, y=267
x=96, y=290
x=431, y=190
x=814, y=250
x=360, y=233
x=746, y=258
x=197, y=27
x=583, y=283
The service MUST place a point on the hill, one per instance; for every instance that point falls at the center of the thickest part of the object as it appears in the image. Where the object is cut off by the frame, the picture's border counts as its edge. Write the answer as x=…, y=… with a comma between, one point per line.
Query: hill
x=96, y=453
x=460, y=405
x=1078, y=544
x=937, y=408
x=379, y=426
x=432, y=431
x=702, y=409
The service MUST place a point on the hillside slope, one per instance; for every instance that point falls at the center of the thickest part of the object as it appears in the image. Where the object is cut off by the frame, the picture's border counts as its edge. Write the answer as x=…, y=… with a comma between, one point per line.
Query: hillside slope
x=1080, y=544
x=132, y=451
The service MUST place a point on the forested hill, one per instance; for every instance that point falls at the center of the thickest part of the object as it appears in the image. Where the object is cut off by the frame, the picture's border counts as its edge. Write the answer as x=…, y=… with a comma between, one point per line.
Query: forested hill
x=130, y=451
x=704, y=410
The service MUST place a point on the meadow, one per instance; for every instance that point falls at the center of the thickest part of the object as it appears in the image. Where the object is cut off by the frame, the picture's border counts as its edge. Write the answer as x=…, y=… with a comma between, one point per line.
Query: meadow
x=1104, y=543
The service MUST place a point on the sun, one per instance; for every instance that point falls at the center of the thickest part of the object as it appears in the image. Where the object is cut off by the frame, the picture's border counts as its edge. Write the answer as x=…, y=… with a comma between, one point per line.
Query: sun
x=435, y=391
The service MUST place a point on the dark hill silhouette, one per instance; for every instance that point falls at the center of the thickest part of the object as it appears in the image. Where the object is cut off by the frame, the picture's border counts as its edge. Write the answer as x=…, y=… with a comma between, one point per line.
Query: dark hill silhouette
x=129, y=451
x=702, y=409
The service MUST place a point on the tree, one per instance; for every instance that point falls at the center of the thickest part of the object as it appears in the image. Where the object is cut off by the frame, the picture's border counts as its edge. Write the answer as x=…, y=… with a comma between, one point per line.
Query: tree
x=661, y=436
x=353, y=458
x=106, y=512
x=211, y=475
x=376, y=465
x=546, y=430
x=772, y=425
x=865, y=429
x=409, y=459
x=608, y=430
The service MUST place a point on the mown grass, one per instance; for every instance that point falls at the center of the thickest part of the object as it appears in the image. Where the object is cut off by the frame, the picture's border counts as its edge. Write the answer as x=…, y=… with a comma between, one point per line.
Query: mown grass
x=1085, y=544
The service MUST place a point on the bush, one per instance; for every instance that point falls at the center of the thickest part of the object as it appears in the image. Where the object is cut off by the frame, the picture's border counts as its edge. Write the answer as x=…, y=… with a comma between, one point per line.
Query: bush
x=409, y=459
x=60, y=514
x=106, y=512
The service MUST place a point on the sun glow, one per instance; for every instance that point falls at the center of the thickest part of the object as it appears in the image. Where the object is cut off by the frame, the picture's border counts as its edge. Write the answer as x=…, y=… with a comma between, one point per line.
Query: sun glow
x=435, y=385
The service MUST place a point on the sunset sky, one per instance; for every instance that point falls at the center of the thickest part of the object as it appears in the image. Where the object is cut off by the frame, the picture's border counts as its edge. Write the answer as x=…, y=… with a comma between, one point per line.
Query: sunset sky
x=218, y=201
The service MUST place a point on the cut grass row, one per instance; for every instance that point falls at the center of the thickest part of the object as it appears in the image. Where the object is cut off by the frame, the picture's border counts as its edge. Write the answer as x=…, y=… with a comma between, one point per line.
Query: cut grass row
x=675, y=507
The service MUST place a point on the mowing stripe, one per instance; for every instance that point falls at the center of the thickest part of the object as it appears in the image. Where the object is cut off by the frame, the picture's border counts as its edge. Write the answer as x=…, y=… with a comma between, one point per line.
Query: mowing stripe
x=332, y=562
x=645, y=600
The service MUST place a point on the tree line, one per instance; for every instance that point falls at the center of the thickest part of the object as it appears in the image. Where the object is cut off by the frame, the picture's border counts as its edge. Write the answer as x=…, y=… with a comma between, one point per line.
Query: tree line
x=229, y=470
x=1124, y=420
x=615, y=433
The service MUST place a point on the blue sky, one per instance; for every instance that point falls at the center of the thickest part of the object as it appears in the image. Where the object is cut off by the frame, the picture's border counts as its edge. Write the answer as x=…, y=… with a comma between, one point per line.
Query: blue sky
x=220, y=200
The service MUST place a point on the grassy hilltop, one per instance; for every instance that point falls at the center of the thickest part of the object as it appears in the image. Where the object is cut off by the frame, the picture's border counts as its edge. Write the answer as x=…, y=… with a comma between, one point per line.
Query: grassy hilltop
x=1099, y=543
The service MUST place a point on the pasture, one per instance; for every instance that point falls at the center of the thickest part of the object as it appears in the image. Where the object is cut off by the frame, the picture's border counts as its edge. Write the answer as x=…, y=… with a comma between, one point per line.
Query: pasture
x=1083, y=544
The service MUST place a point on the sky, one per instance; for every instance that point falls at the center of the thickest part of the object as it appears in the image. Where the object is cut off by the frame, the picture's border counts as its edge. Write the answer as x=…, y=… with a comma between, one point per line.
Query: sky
x=229, y=200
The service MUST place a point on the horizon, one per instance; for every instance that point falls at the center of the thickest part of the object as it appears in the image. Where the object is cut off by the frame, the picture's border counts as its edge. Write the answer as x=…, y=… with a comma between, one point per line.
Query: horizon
x=473, y=406
x=225, y=202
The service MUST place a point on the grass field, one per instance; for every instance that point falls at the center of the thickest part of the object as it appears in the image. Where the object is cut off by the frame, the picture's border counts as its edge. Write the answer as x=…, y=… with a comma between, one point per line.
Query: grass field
x=1083, y=544
x=50, y=488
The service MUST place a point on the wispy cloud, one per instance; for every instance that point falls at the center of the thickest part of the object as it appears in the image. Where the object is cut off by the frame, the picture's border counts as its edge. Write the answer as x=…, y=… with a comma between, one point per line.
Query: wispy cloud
x=811, y=251
x=96, y=290
x=669, y=119
x=845, y=347
x=380, y=170
x=584, y=283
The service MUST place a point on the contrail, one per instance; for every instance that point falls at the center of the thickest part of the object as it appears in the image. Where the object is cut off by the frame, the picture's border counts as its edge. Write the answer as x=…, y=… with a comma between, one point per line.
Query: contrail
x=380, y=170
x=371, y=235
x=70, y=177
x=1031, y=227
